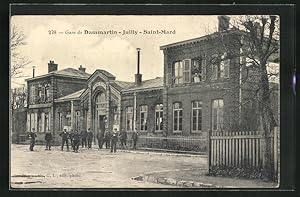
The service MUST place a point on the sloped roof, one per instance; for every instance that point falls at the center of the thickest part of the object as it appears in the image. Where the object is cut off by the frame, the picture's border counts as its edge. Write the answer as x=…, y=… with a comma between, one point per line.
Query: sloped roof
x=72, y=72
x=69, y=97
x=202, y=38
x=67, y=72
x=122, y=85
x=147, y=84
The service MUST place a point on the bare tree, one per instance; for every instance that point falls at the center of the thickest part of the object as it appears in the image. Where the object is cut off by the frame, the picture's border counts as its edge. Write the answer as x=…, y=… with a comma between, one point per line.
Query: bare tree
x=18, y=61
x=252, y=43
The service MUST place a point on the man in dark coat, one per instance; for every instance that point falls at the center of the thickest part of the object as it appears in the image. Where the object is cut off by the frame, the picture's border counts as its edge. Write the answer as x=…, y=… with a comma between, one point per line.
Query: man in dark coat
x=48, y=138
x=134, y=138
x=76, y=141
x=65, y=136
x=123, y=138
x=114, y=139
x=32, y=135
x=100, y=138
x=89, y=138
x=107, y=139
x=83, y=138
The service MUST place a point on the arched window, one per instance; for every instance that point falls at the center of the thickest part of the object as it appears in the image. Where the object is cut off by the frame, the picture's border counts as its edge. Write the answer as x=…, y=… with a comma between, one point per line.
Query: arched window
x=100, y=102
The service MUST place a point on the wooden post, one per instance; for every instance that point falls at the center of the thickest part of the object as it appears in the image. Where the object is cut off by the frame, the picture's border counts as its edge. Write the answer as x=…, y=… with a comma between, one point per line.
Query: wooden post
x=275, y=150
x=208, y=150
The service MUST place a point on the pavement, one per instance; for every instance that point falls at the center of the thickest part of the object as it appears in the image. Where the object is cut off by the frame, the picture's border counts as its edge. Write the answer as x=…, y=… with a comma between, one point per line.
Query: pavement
x=125, y=169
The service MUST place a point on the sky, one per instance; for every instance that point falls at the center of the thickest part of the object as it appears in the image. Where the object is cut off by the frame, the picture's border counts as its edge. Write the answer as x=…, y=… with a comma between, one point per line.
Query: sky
x=115, y=53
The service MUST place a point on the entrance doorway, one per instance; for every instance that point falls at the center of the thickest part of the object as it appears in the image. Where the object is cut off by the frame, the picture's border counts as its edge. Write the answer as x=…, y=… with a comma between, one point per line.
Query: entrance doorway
x=101, y=125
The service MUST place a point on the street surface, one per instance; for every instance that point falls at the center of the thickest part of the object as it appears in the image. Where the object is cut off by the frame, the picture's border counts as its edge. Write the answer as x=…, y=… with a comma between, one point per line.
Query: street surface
x=92, y=168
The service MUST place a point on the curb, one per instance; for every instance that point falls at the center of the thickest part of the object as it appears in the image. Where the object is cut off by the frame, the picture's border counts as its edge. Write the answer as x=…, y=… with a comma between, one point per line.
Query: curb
x=174, y=182
x=162, y=153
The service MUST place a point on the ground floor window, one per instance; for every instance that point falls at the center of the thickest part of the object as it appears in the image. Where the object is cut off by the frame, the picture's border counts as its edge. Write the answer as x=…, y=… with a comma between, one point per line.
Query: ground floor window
x=32, y=123
x=196, y=115
x=177, y=116
x=143, y=117
x=217, y=114
x=129, y=118
x=47, y=122
x=159, y=117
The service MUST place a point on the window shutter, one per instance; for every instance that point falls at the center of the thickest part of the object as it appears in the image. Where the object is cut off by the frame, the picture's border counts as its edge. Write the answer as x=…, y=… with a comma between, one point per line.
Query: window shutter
x=43, y=94
x=186, y=70
x=169, y=75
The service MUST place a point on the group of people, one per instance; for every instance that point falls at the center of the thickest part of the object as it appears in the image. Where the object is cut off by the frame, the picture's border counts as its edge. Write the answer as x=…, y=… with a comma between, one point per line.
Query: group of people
x=86, y=138
x=110, y=139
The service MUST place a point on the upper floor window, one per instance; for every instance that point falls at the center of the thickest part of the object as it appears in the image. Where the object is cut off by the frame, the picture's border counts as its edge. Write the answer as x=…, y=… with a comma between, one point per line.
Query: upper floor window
x=47, y=93
x=178, y=72
x=159, y=117
x=143, y=117
x=220, y=66
x=198, y=69
x=32, y=94
x=182, y=72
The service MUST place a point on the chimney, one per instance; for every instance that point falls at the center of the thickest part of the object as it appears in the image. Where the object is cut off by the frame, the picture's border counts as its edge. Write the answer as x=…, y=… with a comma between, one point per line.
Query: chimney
x=33, y=71
x=138, y=76
x=52, y=66
x=82, y=69
x=223, y=23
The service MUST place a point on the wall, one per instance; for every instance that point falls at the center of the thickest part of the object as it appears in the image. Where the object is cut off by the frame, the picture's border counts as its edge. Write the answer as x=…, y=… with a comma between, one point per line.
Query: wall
x=149, y=98
x=67, y=86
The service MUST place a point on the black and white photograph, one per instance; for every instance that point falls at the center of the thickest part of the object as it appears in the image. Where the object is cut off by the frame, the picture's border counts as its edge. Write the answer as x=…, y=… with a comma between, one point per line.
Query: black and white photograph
x=144, y=101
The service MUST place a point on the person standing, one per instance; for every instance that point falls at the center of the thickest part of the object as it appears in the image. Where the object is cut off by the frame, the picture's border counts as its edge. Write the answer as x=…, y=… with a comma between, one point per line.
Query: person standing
x=83, y=138
x=134, y=138
x=32, y=135
x=89, y=138
x=100, y=139
x=48, y=138
x=123, y=138
x=65, y=136
x=107, y=138
x=76, y=141
x=114, y=139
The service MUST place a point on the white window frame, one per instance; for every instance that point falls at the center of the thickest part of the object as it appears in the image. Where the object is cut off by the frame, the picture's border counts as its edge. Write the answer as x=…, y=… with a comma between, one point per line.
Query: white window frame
x=176, y=112
x=178, y=72
x=198, y=109
x=159, y=110
x=144, y=121
x=218, y=108
x=127, y=112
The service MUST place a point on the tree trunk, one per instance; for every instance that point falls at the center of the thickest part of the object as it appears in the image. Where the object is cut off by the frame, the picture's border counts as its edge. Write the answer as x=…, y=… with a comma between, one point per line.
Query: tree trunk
x=268, y=123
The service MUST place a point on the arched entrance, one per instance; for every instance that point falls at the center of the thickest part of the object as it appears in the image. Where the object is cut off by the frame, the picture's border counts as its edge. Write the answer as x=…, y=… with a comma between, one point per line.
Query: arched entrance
x=100, y=112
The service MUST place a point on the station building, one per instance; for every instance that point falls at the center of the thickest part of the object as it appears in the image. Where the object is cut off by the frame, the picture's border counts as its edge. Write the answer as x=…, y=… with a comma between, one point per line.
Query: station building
x=191, y=98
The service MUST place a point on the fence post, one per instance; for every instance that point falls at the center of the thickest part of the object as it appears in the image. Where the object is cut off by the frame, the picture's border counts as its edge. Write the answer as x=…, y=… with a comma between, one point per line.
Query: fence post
x=275, y=152
x=209, y=150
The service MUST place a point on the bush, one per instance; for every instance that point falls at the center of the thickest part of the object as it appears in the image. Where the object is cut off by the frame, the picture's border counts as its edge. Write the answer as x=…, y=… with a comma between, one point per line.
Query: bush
x=245, y=172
